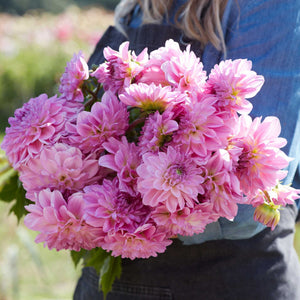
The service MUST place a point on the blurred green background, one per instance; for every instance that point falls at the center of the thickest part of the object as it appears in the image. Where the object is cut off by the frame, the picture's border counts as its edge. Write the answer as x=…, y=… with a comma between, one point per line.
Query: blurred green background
x=37, y=38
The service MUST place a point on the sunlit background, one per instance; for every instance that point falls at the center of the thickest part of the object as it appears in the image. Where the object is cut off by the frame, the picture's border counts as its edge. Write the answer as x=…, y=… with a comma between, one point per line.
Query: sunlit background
x=37, y=38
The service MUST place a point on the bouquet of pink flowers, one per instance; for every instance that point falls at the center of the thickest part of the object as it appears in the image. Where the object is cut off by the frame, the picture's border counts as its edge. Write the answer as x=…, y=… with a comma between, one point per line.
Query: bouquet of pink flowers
x=144, y=148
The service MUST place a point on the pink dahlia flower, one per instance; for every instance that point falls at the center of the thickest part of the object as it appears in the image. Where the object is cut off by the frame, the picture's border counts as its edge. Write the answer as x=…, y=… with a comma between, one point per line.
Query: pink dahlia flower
x=152, y=72
x=106, y=119
x=60, y=222
x=76, y=72
x=233, y=82
x=60, y=167
x=185, y=72
x=109, y=208
x=279, y=195
x=124, y=158
x=201, y=131
x=222, y=187
x=151, y=98
x=261, y=161
x=146, y=241
x=38, y=123
x=120, y=68
x=186, y=221
x=171, y=178
x=157, y=131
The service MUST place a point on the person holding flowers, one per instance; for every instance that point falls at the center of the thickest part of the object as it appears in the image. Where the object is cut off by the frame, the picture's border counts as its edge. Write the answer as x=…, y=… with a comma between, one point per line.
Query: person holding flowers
x=235, y=256
x=163, y=163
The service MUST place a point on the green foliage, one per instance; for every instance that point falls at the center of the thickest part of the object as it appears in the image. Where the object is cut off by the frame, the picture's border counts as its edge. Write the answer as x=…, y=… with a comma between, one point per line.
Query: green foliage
x=13, y=191
x=107, y=266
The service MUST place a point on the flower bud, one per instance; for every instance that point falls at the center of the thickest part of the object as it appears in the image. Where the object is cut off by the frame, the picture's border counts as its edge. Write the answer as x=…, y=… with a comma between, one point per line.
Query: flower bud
x=267, y=214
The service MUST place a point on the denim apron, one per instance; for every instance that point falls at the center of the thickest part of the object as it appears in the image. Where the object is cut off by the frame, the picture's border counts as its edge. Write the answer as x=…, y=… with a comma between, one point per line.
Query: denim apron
x=264, y=267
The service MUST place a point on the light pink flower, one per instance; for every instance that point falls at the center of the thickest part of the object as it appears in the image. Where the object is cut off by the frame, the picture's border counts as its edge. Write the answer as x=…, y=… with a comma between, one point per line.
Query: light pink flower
x=146, y=241
x=279, y=195
x=60, y=167
x=38, y=123
x=151, y=98
x=201, y=131
x=233, y=82
x=109, y=208
x=124, y=158
x=106, y=119
x=185, y=72
x=75, y=73
x=222, y=187
x=60, y=222
x=261, y=161
x=171, y=178
x=186, y=221
x=157, y=131
x=120, y=68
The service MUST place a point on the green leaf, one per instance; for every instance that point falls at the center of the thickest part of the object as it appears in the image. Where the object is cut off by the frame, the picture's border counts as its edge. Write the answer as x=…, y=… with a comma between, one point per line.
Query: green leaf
x=110, y=270
x=19, y=207
x=78, y=255
x=95, y=258
x=10, y=186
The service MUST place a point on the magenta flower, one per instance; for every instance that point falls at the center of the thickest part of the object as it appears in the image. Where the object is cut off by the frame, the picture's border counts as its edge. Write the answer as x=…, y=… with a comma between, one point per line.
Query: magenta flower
x=109, y=208
x=76, y=72
x=60, y=222
x=124, y=158
x=146, y=241
x=151, y=98
x=120, y=68
x=157, y=131
x=233, y=82
x=171, y=178
x=261, y=161
x=38, y=123
x=106, y=119
x=59, y=167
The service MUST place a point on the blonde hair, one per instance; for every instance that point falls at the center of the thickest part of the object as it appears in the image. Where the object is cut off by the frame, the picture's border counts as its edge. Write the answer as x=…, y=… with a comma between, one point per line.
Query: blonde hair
x=199, y=19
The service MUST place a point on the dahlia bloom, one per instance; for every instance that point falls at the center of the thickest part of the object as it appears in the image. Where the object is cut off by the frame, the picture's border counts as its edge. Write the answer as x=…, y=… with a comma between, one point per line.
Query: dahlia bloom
x=146, y=241
x=151, y=98
x=60, y=222
x=201, y=131
x=186, y=221
x=112, y=210
x=38, y=123
x=185, y=72
x=261, y=161
x=234, y=81
x=108, y=118
x=59, y=167
x=222, y=187
x=171, y=178
x=157, y=131
x=120, y=68
x=124, y=158
x=75, y=73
